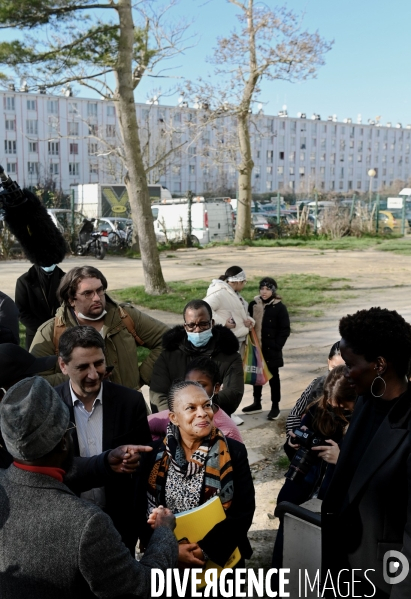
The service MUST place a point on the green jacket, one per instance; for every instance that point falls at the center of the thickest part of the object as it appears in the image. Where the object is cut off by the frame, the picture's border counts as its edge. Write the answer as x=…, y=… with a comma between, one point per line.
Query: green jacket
x=121, y=349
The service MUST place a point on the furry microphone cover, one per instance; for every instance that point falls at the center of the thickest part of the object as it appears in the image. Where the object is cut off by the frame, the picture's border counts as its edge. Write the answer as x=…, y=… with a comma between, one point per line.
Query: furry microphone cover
x=42, y=242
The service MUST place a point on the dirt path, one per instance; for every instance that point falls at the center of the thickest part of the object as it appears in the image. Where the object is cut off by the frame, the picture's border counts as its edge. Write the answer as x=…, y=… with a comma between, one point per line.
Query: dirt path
x=376, y=278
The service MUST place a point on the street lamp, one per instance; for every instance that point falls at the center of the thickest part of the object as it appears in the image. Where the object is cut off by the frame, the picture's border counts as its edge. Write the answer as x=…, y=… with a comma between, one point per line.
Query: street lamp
x=371, y=173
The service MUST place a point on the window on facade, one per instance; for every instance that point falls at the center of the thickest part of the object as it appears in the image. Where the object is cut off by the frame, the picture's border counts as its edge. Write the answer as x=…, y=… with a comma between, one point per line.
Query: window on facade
x=33, y=168
x=292, y=170
x=323, y=143
x=359, y=158
x=72, y=108
x=303, y=143
x=280, y=170
x=73, y=128
x=350, y=157
x=53, y=148
x=8, y=102
x=332, y=171
x=351, y=145
x=291, y=184
x=52, y=106
x=10, y=147
x=323, y=128
x=268, y=185
x=281, y=142
x=314, y=142
x=292, y=157
x=293, y=126
x=54, y=168
x=177, y=117
x=302, y=157
x=11, y=168
x=92, y=129
x=341, y=185
x=92, y=149
x=360, y=146
x=322, y=170
x=342, y=172
x=31, y=104
x=91, y=108
x=73, y=148
x=313, y=156
x=31, y=127
x=358, y=184
x=110, y=130
x=74, y=169
x=281, y=155
x=93, y=168
x=332, y=185
x=292, y=141
x=191, y=169
x=33, y=146
x=257, y=170
x=313, y=170
x=10, y=125
x=302, y=171
x=342, y=145
x=270, y=155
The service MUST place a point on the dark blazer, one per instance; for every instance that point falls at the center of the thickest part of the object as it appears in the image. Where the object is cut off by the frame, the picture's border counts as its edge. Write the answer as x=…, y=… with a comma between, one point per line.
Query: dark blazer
x=221, y=541
x=375, y=516
x=124, y=423
x=32, y=301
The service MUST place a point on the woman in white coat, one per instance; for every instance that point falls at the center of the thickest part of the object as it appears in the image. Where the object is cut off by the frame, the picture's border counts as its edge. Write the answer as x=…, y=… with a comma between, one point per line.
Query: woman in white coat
x=229, y=307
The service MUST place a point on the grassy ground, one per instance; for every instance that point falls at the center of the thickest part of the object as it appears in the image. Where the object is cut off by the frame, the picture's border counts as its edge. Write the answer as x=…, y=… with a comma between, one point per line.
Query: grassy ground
x=299, y=293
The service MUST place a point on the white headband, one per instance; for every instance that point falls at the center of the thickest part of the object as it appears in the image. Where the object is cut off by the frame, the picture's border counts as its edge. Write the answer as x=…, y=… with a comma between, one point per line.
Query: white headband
x=238, y=278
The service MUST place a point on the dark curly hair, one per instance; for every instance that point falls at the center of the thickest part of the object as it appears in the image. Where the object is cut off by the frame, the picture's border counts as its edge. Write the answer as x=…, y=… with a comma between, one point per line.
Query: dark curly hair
x=206, y=366
x=379, y=332
x=330, y=419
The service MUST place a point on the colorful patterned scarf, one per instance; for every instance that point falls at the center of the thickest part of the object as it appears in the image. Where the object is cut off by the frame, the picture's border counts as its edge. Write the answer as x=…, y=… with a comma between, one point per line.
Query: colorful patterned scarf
x=213, y=455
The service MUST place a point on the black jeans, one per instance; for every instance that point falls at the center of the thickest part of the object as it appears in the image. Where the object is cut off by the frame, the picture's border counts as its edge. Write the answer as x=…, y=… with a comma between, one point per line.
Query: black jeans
x=274, y=387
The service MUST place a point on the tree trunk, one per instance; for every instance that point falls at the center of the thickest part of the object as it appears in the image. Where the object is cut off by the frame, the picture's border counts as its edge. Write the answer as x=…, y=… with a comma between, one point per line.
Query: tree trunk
x=243, y=226
x=136, y=181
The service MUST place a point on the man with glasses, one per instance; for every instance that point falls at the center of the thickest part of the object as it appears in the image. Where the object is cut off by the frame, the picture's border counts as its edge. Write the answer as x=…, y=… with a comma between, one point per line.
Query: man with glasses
x=198, y=336
x=82, y=292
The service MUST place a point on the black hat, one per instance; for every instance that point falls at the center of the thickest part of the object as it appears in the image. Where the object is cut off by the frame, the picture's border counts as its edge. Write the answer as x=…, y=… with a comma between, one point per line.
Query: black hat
x=16, y=363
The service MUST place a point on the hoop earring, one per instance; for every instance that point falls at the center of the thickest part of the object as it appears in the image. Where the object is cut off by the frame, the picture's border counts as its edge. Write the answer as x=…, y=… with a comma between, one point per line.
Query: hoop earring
x=372, y=385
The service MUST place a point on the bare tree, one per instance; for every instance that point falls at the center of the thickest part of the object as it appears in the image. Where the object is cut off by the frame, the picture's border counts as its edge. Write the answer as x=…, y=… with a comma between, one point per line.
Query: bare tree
x=93, y=43
x=271, y=45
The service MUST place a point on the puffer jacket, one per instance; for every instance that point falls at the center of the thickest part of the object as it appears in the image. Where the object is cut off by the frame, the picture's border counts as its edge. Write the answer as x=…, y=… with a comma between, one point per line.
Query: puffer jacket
x=272, y=325
x=178, y=352
x=120, y=347
x=226, y=303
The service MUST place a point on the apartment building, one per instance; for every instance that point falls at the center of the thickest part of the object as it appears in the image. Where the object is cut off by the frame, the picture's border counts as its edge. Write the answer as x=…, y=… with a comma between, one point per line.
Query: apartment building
x=71, y=140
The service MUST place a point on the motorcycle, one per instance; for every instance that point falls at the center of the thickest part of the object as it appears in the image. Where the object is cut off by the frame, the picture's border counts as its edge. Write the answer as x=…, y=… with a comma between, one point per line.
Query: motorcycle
x=91, y=241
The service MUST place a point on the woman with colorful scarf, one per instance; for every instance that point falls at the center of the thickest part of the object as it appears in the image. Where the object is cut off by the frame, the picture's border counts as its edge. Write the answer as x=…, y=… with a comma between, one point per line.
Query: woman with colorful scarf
x=196, y=462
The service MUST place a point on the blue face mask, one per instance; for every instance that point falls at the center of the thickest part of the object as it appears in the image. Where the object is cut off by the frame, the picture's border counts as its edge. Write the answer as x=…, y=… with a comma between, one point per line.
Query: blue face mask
x=48, y=268
x=200, y=339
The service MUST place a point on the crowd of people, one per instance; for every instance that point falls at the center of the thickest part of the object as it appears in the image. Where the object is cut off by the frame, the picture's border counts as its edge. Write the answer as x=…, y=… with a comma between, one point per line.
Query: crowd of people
x=89, y=467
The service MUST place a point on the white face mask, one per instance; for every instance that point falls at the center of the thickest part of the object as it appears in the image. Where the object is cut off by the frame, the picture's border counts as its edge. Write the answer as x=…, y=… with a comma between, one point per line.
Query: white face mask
x=80, y=315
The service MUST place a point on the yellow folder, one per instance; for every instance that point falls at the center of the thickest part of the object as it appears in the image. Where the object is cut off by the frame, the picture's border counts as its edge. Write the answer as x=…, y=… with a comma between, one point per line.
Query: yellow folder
x=194, y=524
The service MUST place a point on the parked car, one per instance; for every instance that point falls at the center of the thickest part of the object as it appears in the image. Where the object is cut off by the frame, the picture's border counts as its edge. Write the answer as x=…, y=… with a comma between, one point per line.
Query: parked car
x=390, y=221
x=119, y=231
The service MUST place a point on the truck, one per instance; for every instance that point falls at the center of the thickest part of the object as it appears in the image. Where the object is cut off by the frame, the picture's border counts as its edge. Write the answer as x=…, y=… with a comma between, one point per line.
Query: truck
x=96, y=200
x=211, y=220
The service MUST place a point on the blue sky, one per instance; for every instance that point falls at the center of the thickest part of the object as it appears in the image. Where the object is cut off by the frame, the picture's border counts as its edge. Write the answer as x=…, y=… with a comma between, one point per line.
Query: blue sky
x=366, y=72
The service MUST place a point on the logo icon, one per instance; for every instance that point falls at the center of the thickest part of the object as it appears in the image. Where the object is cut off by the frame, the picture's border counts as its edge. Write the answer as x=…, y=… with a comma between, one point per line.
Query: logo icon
x=395, y=567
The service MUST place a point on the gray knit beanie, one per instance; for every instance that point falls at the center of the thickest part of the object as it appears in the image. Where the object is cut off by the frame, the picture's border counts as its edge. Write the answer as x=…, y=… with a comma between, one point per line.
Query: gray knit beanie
x=33, y=419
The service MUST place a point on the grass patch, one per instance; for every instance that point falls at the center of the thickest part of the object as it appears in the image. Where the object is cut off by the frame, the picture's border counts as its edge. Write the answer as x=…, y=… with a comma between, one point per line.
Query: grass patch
x=298, y=292
x=283, y=462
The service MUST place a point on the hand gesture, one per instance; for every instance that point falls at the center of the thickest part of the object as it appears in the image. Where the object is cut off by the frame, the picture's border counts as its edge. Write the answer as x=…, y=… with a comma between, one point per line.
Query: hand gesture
x=329, y=453
x=248, y=323
x=126, y=458
x=229, y=323
x=190, y=555
x=162, y=516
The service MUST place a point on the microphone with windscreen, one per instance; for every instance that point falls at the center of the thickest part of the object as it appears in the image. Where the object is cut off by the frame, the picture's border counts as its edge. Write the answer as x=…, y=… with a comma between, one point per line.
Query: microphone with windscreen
x=29, y=222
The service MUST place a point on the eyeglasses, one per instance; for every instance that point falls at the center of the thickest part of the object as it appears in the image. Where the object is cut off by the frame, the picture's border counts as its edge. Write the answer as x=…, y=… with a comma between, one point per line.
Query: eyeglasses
x=90, y=294
x=201, y=326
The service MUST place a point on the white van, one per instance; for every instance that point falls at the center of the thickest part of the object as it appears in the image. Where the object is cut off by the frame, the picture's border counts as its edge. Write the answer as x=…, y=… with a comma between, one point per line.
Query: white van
x=211, y=220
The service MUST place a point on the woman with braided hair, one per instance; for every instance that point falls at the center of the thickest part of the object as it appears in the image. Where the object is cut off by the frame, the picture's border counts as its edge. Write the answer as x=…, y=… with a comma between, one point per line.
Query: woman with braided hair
x=195, y=462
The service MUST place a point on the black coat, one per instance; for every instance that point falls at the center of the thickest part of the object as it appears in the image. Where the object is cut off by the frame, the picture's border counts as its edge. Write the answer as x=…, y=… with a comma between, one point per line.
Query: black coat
x=124, y=423
x=275, y=331
x=222, y=540
x=35, y=305
x=178, y=352
x=369, y=513
x=9, y=320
